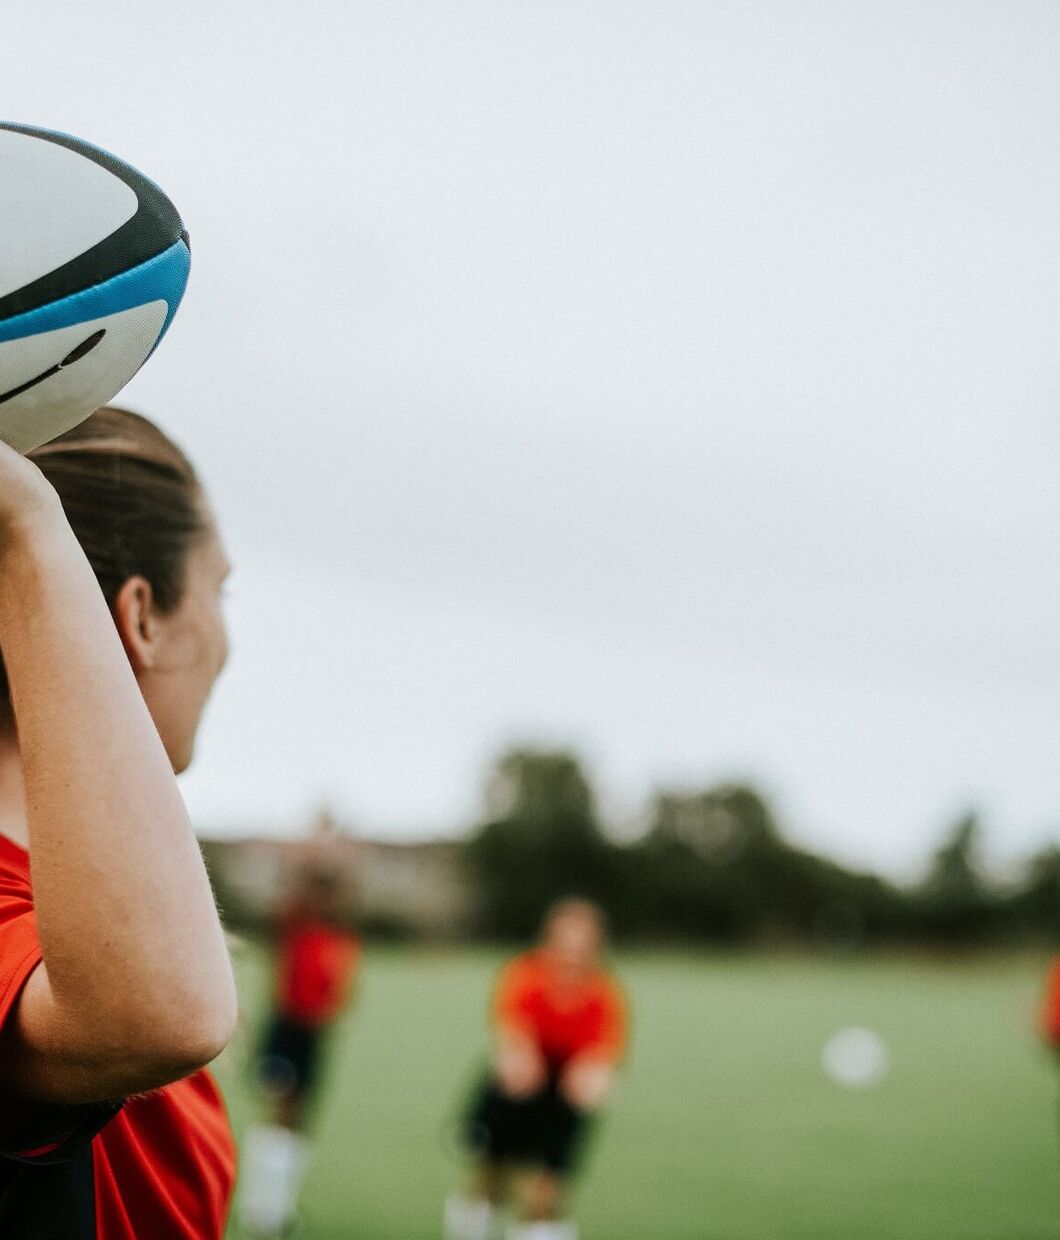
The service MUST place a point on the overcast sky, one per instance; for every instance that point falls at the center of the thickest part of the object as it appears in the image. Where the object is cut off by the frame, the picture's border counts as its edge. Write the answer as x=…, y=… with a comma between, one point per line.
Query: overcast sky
x=679, y=381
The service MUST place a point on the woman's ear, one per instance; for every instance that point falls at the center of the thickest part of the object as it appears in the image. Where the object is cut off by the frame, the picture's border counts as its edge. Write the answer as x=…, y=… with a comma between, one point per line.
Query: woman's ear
x=137, y=623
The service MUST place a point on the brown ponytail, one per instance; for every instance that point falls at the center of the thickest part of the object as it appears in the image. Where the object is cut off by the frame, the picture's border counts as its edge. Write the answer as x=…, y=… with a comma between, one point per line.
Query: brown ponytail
x=133, y=501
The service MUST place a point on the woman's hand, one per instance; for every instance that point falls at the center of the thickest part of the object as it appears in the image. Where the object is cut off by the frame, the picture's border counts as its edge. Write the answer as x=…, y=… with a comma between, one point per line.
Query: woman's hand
x=27, y=499
x=587, y=1082
x=519, y=1067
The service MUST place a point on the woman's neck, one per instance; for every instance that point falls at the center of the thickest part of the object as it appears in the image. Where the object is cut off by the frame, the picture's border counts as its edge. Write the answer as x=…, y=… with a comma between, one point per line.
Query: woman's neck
x=12, y=792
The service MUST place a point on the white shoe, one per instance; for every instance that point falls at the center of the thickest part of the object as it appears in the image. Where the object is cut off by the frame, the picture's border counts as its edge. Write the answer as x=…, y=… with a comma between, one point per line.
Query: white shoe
x=468, y=1219
x=274, y=1167
x=542, y=1231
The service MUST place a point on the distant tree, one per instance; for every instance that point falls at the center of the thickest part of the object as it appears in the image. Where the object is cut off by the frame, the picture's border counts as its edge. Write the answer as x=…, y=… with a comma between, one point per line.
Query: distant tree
x=699, y=872
x=955, y=902
x=1036, y=906
x=541, y=841
x=715, y=866
x=720, y=825
x=956, y=867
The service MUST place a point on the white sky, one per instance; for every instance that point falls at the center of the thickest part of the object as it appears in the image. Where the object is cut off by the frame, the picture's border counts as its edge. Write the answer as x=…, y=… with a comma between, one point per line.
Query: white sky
x=676, y=380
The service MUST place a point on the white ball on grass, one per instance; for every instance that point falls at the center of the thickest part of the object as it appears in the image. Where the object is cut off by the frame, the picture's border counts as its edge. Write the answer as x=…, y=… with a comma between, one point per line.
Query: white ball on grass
x=856, y=1058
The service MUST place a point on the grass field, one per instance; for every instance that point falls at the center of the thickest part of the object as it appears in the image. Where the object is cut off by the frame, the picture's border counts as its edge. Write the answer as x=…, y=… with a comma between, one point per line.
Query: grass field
x=724, y=1127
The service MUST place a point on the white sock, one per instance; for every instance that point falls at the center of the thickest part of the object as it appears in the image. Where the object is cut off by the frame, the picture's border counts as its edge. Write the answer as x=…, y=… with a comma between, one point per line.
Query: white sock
x=273, y=1168
x=468, y=1219
x=565, y=1230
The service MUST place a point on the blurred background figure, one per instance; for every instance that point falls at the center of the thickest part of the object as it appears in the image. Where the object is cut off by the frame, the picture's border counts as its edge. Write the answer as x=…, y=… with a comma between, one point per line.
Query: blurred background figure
x=1049, y=1016
x=316, y=960
x=560, y=1028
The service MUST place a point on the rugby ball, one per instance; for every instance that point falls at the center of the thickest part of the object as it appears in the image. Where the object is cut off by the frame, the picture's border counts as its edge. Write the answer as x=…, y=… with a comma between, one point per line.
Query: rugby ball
x=94, y=260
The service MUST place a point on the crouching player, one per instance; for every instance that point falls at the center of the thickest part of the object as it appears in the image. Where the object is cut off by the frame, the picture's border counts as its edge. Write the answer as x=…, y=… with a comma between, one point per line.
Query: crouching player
x=559, y=1023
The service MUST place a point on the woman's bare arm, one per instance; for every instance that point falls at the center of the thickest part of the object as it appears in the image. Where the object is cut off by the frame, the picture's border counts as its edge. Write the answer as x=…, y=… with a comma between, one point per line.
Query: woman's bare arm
x=135, y=988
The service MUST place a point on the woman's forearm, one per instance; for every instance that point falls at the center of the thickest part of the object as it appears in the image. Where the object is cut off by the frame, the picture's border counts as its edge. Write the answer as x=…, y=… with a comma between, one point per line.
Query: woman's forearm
x=133, y=950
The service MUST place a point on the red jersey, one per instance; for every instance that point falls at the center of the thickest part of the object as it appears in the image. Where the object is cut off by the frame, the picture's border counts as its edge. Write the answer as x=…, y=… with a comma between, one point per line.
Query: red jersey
x=161, y=1166
x=317, y=962
x=564, y=1018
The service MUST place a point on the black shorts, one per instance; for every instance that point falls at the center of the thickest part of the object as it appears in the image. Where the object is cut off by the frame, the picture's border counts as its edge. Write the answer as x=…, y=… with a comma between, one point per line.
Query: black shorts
x=290, y=1056
x=543, y=1130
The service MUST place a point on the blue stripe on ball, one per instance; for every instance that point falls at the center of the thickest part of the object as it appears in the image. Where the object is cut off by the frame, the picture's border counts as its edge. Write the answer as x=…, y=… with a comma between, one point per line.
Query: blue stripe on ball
x=162, y=278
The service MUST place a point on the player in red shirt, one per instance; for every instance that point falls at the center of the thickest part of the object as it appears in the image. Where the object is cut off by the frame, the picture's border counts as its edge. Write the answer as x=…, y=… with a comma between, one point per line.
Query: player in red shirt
x=560, y=1027
x=316, y=961
x=1049, y=1017
x=115, y=982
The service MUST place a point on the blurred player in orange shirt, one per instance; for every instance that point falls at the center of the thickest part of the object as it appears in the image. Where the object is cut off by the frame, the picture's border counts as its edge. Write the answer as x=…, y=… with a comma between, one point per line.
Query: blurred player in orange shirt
x=560, y=1026
x=317, y=959
x=1049, y=1017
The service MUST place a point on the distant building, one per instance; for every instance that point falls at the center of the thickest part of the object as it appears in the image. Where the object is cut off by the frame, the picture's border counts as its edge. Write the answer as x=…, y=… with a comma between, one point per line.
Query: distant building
x=405, y=890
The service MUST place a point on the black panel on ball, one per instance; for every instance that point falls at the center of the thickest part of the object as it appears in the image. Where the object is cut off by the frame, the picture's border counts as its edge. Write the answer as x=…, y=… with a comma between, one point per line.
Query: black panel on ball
x=153, y=229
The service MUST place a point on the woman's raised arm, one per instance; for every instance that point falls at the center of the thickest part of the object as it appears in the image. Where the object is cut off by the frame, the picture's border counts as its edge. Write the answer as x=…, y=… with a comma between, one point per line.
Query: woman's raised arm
x=135, y=988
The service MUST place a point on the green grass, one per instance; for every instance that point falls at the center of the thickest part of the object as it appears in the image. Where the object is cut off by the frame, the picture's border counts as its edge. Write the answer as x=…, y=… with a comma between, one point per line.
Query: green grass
x=723, y=1127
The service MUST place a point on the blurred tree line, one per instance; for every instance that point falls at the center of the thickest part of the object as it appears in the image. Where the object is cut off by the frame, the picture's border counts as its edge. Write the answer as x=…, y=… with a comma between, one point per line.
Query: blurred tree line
x=714, y=866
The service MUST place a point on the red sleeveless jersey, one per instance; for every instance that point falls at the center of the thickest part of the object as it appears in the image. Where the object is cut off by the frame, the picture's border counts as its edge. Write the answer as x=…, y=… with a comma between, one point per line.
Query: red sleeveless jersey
x=160, y=1166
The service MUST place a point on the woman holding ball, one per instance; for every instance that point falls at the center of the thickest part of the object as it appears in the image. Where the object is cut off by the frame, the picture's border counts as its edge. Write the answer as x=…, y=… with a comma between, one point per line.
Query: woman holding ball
x=115, y=983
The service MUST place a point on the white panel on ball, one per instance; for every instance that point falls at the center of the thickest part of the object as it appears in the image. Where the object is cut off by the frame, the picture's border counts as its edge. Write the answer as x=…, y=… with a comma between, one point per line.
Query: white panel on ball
x=41, y=183
x=57, y=403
